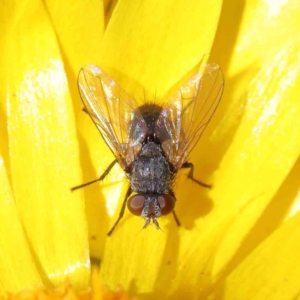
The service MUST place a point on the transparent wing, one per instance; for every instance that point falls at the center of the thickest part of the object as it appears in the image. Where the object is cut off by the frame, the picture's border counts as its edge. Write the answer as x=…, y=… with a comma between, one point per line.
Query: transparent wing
x=188, y=112
x=115, y=114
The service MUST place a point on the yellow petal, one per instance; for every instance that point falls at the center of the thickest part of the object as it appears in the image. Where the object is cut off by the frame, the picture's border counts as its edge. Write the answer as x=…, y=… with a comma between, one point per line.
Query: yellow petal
x=262, y=31
x=109, y=6
x=42, y=148
x=247, y=37
x=252, y=32
x=270, y=272
x=156, y=43
x=263, y=150
x=17, y=267
x=78, y=25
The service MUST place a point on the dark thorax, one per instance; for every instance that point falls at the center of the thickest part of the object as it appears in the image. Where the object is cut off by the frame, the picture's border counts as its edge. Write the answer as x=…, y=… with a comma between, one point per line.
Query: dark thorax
x=150, y=171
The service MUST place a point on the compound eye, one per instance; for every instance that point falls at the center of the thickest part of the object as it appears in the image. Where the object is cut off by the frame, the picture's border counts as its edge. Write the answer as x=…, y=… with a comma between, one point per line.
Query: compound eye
x=166, y=203
x=135, y=204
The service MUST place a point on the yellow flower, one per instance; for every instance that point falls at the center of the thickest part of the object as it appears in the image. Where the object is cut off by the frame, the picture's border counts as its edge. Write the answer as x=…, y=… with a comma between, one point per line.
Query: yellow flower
x=238, y=240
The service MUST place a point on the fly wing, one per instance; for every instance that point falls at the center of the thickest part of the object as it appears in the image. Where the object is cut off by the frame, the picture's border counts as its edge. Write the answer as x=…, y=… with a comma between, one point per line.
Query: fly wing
x=188, y=112
x=114, y=113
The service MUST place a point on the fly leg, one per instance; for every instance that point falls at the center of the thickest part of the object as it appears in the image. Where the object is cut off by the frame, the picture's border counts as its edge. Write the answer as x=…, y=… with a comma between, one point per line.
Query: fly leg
x=99, y=179
x=129, y=191
x=191, y=174
x=174, y=214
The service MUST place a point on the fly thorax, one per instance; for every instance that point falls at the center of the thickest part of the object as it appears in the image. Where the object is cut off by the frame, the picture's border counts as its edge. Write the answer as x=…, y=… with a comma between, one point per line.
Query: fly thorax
x=150, y=171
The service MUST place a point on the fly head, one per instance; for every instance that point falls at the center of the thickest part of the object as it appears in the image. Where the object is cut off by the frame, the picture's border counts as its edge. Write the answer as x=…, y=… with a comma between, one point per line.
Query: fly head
x=151, y=206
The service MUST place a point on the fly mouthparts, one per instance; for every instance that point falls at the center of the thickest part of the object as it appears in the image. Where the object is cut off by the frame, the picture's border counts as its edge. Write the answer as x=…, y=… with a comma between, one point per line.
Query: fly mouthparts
x=148, y=221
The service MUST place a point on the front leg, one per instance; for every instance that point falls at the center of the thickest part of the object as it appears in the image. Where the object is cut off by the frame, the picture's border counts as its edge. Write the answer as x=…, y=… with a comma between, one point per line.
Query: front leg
x=173, y=212
x=129, y=191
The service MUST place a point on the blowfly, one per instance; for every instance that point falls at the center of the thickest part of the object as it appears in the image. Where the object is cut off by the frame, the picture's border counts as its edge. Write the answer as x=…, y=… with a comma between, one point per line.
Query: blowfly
x=151, y=142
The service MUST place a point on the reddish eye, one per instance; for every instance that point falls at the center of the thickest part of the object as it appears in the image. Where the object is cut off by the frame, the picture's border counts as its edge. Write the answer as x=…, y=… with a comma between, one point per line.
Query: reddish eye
x=166, y=203
x=135, y=204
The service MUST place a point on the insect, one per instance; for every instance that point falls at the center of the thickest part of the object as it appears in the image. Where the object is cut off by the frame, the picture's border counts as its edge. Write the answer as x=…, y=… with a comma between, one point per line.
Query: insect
x=150, y=141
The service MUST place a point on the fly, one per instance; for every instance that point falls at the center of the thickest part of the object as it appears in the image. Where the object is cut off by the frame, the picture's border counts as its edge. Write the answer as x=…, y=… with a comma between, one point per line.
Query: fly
x=151, y=142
